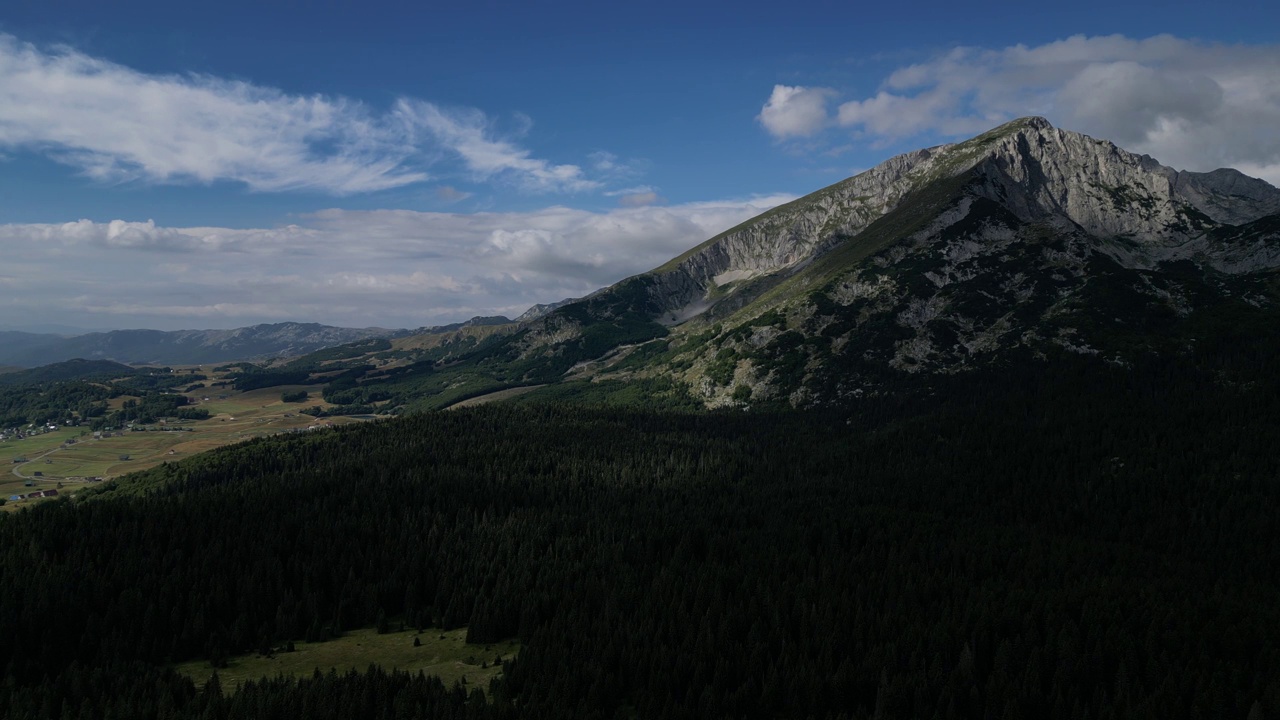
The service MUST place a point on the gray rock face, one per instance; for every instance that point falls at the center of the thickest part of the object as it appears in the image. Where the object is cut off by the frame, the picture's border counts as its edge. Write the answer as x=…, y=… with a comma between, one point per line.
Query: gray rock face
x=1039, y=172
x=1228, y=196
x=788, y=236
x=542, y=309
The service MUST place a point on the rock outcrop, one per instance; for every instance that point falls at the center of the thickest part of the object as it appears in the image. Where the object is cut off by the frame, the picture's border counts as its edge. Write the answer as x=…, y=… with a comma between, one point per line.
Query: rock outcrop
x=1038, y=170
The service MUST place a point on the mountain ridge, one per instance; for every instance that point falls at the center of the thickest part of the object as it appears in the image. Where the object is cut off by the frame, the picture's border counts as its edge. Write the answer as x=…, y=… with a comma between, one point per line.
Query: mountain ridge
x=1017, y=245
x=177, y=347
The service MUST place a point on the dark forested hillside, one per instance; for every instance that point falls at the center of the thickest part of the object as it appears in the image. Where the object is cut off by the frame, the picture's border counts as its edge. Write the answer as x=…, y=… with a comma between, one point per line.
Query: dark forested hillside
x=78, y=369
x=1083, y=543
x=77, y=392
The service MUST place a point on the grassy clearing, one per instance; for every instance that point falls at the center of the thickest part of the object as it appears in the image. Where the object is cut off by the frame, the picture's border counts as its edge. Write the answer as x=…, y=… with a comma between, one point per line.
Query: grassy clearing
x=260, y=402
x=37, y=450
x=30, y=447
x=90, y=457
x=444, y=654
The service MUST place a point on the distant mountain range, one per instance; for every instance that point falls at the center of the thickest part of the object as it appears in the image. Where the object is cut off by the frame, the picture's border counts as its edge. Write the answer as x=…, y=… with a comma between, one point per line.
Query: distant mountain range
x=49, y=329
x=182, y=347
x=1021, y=245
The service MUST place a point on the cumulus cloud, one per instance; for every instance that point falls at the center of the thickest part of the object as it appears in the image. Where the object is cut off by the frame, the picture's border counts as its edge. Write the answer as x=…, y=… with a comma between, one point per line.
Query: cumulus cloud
x=795, y=111
x=376, y=267
x=87, y=238
x=117, y=124
x=1190, y=104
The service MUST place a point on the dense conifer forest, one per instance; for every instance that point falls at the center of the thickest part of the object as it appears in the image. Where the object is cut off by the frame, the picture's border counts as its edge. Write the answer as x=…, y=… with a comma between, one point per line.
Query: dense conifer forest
x=1047, y=541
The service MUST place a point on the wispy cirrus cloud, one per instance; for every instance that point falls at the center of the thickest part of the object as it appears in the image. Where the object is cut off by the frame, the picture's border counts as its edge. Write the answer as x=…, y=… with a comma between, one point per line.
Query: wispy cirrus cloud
x=115, y=124
x=1190, y=104
x=450, y=194
x=638, y=196
x=377, y=267
x=639, y=199
x=465, y=132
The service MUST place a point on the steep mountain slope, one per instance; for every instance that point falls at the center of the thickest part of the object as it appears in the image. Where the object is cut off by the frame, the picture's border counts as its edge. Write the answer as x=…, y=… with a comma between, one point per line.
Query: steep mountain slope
x=183, y=346
x=1020, y=244
x=1025, y=241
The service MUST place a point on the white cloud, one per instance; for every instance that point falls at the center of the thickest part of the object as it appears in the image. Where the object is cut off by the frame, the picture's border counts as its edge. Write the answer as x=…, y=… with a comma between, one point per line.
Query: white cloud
x=639, y=199
x=630, y=191
x=605, y=161
x=1190, y=104
x=117, y=124
x=638, y=196
x=88, y=236
x=450, y=194
x=397, y=267
x=466, y=133
x=795, y=111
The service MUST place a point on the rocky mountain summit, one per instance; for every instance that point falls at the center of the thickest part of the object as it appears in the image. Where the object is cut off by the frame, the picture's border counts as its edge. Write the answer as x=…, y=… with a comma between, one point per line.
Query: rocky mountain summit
x=1035, y=171
x=1020, y=245
x=1026, y=237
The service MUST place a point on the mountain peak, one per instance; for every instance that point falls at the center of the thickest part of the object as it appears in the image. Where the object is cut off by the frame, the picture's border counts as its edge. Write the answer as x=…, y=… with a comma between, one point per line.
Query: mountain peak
x=1030, y=122
x=1023, y=243
x=1038, y=172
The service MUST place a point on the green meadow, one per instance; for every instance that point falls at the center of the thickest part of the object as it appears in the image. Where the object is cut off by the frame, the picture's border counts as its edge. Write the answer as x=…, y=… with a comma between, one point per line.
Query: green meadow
x=442, y=653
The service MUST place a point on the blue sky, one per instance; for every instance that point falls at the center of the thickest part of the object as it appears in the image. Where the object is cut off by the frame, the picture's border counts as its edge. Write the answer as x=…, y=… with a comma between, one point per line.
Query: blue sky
x=409, y=164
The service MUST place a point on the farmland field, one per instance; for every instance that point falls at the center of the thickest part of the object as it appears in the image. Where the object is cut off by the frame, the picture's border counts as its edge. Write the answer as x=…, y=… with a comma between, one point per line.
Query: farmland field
x=234, y=417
